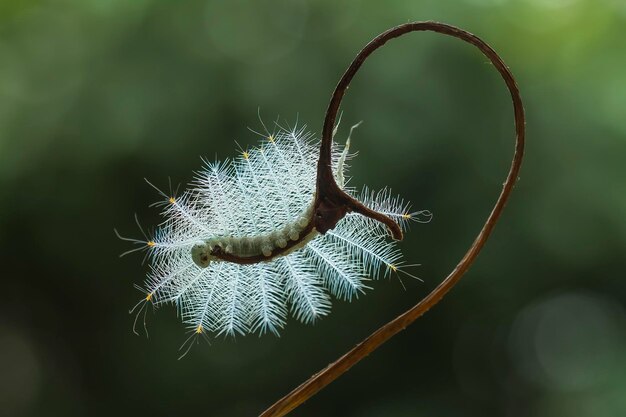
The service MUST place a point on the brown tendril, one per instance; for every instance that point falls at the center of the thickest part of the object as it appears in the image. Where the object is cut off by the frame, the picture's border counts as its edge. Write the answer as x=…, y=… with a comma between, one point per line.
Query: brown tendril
x=332, y=204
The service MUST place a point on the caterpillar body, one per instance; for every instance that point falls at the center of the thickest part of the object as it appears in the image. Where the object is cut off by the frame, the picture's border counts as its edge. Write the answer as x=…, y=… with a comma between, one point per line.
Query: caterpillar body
x=255, y=247
x=257, y=207
x=249, y=249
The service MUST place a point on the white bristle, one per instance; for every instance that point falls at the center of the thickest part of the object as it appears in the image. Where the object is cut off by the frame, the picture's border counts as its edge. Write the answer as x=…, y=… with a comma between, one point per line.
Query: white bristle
x=245, y=202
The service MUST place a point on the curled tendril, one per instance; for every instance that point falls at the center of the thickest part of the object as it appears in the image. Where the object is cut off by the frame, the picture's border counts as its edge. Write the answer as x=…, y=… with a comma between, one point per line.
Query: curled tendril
x=332, y=204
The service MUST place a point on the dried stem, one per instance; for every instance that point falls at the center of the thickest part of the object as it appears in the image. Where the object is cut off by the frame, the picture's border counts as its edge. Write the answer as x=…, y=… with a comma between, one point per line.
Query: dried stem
x=336, y=203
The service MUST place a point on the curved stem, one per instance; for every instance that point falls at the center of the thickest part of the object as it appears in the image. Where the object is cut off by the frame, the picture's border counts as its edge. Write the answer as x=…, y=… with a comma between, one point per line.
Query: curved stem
x=380, y=336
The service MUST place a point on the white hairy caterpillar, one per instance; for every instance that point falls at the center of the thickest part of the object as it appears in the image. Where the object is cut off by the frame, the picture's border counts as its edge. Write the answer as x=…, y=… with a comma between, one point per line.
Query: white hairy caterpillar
x=263, y=246
x=249, y=208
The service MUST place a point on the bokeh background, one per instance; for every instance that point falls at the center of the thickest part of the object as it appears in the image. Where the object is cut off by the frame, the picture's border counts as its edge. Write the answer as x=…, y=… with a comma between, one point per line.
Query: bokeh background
x=95, y=95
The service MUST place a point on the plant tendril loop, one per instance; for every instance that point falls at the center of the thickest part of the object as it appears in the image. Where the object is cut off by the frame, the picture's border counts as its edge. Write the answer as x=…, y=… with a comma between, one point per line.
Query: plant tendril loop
x=332, y=204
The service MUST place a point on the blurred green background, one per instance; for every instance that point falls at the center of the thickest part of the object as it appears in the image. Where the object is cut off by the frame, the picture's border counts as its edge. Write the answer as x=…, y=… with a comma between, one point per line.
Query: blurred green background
x=95, y=95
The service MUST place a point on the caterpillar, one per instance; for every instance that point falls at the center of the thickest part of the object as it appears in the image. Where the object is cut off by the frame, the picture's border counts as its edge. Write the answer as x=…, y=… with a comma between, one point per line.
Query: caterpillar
x=238, y=250
x=261, y=247
x=255, y=247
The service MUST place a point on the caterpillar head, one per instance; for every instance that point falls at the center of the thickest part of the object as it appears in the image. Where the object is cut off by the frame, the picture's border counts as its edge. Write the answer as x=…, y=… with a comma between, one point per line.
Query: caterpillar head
x=201, y=254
